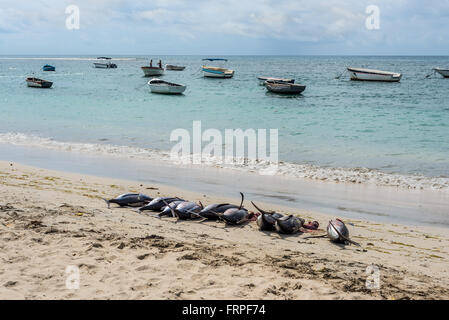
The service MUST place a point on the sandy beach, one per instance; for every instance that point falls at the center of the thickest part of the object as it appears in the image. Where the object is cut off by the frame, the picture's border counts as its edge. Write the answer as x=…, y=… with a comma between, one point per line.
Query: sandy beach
x=50, y=220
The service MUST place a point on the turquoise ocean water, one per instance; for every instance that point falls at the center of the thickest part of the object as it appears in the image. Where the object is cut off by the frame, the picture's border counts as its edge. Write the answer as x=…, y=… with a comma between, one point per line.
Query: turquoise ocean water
x=388, y=128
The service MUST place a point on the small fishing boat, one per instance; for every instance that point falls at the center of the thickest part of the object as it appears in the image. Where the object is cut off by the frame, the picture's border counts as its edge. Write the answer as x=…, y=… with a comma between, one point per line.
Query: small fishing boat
x=263, y=80
x=161, y=86
x=48, y=67
x=285, y=88
x=107, y=65
x=373, y=75
x=174, y=68
x=215, y=59
x=216, y=72
x=38, y=83
x=443, y=72
x=152, y=71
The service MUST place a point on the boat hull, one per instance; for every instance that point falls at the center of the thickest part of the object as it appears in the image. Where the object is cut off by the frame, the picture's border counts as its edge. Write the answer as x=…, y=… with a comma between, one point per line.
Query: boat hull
x=283, y=88
x=167, y=89
x=38, y=83
x=443, y=72
x=213, y=72
x=152, y=71
x=105, y=65
x=164, y=87
x=373, y=75
x=49, y=68
x=174, y=68
x=214, y=75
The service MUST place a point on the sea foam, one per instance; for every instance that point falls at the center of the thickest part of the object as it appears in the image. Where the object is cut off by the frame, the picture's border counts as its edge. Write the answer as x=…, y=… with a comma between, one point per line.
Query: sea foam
x=292, y=170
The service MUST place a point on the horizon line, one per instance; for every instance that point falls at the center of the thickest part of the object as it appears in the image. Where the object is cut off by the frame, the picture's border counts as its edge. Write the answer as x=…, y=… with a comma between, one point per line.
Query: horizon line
x=227, y=55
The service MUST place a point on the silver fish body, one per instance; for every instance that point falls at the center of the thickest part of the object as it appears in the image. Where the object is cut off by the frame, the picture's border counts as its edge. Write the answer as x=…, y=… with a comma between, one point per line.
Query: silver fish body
x=130, y=200
x=337, y=231
x=158, y=204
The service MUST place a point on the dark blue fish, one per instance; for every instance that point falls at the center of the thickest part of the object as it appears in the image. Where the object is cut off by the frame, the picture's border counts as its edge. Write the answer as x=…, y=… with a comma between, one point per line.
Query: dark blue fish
x=288, y=224
x=187, y=210
x=267, y=220
x=129, y=200
x=235, y=216
x=212, y=211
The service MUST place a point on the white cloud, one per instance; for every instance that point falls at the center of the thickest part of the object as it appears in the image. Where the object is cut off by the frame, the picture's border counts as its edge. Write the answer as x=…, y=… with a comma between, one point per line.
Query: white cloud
x=318, y=21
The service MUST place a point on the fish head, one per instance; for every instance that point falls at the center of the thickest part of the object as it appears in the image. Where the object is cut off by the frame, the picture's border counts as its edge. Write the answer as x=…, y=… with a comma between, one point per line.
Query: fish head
x=336, y=229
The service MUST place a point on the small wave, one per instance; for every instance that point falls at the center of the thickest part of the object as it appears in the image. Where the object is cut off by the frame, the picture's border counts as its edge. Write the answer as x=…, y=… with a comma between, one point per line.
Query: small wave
x=303, y=171
x=21, y=139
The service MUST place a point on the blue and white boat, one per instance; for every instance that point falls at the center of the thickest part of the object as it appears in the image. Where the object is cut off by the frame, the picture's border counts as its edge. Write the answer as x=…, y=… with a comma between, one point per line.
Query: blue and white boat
x=48, y=67
x=216, y=72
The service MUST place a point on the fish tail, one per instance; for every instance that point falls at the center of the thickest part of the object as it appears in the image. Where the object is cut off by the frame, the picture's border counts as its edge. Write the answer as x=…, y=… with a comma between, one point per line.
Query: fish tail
x=107, y=202
x=173, y=213
x=241, y=203
x=261, y=211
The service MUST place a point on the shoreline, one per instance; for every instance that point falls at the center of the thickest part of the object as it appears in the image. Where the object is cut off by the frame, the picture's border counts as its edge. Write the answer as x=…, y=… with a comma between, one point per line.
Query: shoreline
x=384, y=204
x=289, y=170
x=51, y=219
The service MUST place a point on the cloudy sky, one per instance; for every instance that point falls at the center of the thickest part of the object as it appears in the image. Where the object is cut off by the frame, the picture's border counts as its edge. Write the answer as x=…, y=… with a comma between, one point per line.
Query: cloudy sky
x=267, y=27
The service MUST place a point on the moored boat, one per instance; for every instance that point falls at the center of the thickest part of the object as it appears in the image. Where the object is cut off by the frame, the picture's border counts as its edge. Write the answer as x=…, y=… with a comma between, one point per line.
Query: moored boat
x=174, y=68
x=263, y=80
x=48, y=67
x=216, y=72
x=161, y=86
x=373, y=75
x=108, y=65
x=38, y=83
x=215, y=59
x=443, y=72
x=285, y=88
x=152, y=71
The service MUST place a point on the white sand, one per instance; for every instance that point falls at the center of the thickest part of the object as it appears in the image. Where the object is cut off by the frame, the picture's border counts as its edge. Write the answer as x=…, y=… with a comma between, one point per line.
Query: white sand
x=50, y=220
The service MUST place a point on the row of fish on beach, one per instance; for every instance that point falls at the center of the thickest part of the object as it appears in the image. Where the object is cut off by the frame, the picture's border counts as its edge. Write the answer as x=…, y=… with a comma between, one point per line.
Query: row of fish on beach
x=230, y=214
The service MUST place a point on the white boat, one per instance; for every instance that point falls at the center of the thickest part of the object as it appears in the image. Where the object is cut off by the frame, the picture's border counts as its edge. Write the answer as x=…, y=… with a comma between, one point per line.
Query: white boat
x=174, y=68
x=152, y=71
x=373, y=75
x=443, y=72
x=104, y=65
x=216, y=72
x=263, y=80
x=161, y=86
x=285, y=88
x=38, y=83
x=107, y=65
